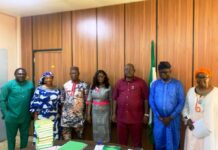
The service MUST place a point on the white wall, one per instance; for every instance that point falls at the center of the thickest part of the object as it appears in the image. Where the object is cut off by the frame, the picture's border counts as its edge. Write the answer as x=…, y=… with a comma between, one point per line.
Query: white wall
x=10, y=40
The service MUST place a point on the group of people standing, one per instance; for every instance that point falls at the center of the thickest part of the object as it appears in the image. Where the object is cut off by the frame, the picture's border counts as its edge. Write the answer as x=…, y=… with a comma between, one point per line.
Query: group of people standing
x=127, y=105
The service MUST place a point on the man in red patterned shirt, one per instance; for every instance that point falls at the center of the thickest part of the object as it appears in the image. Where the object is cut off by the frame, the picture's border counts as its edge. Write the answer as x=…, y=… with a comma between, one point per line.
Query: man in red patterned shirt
x=130, y=107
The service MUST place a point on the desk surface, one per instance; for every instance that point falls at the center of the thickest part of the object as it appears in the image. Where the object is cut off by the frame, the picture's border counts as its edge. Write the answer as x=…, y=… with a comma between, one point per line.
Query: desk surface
x=91, y=145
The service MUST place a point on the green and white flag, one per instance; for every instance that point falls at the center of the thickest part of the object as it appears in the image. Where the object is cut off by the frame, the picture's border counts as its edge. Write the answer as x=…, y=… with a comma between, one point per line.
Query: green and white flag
x=152, y=78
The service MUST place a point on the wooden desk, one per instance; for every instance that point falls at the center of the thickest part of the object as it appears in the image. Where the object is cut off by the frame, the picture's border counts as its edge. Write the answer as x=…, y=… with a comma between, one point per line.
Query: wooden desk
x=91, y=145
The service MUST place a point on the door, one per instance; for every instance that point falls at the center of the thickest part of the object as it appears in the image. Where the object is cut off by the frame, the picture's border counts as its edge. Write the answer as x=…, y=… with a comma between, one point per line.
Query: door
x=48, y=61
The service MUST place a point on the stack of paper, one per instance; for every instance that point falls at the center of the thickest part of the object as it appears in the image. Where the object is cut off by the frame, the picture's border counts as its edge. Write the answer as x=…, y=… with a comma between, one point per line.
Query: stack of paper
x=44, y=132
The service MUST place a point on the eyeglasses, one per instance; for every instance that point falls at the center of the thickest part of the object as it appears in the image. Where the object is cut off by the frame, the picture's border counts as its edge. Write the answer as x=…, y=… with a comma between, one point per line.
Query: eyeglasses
x=202, y=77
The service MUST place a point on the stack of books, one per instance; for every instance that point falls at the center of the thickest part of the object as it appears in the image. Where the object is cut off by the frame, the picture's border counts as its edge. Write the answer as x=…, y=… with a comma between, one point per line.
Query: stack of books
x=44, y=132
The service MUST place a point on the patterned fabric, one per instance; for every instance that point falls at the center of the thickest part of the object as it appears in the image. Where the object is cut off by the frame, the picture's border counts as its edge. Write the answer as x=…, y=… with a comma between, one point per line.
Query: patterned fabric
x=47, y=102
x=67, y=133
x=167, y=99
x=41, y=80
x=100, y=113
x=73, y=99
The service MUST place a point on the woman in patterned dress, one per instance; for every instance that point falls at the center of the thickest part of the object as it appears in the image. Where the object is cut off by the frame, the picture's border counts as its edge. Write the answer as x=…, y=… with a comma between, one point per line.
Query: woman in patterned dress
x=45, y=103
x=99, y=98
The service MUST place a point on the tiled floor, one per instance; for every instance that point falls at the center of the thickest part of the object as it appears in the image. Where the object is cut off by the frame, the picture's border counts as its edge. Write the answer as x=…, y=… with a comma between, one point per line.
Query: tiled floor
x=3, y=144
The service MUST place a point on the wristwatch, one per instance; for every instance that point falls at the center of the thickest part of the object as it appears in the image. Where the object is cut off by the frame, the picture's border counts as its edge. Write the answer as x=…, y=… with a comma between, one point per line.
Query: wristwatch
x=147, y=115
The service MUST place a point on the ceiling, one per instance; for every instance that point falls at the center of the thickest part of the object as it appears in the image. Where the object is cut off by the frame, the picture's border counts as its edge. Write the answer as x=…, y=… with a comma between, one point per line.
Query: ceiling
x=37, y=7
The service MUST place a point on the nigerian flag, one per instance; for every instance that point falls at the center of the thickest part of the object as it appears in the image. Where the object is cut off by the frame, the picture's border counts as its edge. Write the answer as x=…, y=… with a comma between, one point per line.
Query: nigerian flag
x=152, y=77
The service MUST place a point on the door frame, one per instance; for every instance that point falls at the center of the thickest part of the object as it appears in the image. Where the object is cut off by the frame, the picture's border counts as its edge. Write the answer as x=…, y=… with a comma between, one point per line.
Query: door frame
x=34, y=51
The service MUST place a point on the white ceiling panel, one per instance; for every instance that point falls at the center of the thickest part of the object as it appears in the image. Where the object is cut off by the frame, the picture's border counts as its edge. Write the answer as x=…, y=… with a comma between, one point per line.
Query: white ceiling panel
x=37, y=7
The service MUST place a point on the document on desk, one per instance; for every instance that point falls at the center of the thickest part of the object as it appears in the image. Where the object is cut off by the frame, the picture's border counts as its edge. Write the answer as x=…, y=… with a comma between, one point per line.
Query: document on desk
x=200, y=129
x=107, y=147
x=76, y=145
x=53, y=148
x=99, y=147
x=111, y=147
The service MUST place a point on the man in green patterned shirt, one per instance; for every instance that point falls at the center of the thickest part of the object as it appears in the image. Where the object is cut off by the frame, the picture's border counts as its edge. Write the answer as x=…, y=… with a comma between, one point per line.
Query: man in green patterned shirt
x=15, y=98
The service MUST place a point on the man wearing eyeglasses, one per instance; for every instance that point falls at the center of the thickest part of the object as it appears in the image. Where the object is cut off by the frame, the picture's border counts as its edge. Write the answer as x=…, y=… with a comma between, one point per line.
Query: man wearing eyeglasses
x=166, y=101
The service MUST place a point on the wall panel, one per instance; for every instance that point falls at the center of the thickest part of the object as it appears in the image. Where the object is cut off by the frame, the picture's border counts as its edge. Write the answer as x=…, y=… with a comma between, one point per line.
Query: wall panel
x=47, y=31
x=206, y=39
x=140, y=30
x=84, y=42
x=110, y=23
x=26, y=45
x=175, y=39
x=66, y=44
